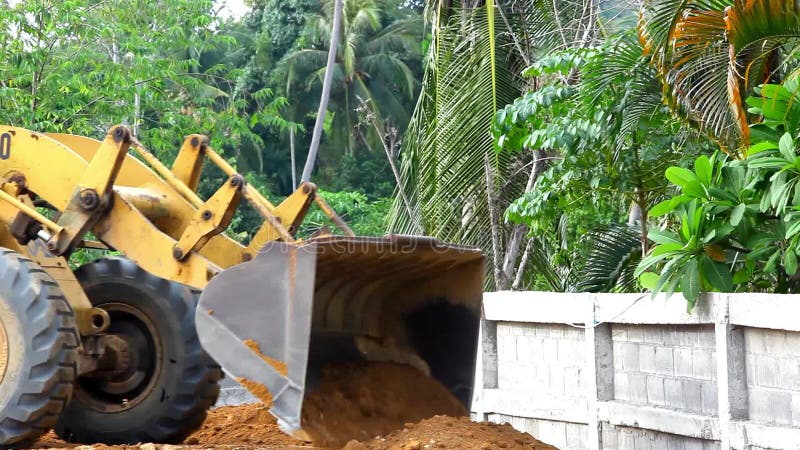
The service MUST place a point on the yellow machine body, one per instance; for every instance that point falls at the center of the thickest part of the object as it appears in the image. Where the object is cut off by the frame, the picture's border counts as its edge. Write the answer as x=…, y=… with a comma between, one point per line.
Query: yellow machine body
x=369, y=292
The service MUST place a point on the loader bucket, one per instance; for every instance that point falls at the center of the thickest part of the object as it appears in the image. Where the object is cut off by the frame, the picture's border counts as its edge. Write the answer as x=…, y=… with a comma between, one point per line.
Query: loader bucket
x=275, y=321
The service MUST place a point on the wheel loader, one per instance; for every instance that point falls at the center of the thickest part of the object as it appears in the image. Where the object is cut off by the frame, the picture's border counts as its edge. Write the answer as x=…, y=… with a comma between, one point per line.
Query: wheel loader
x=131, y=347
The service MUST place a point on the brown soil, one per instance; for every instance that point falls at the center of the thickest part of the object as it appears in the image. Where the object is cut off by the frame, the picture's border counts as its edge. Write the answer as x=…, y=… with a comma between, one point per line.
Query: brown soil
x=361, y=401
x=355, y=402
x=452, y=433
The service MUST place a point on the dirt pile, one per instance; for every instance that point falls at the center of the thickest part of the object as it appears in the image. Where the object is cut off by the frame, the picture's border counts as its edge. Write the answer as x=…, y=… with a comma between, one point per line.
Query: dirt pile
x=363, y=400
x=243, y=425
x=443, y=432
x=376, y=406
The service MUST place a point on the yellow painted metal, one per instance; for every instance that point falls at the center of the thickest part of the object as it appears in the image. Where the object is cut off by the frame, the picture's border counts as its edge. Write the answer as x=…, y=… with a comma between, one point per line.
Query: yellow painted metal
x=91, y=193
x=288, y=216
x=189, y=164
x=144, y=188
x=145, y=210
x=326, y=208
x=19, y=206
x=212, y=218
x=227, y=169
x=168, y=176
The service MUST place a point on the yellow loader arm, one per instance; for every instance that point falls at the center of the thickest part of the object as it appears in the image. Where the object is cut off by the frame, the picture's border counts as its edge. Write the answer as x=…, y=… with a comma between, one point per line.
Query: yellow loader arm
x=272, y=311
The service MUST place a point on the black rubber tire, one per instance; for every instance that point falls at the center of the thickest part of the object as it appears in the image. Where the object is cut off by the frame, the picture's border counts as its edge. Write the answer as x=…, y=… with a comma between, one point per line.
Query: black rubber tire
x=37, y=382
x=183, y=389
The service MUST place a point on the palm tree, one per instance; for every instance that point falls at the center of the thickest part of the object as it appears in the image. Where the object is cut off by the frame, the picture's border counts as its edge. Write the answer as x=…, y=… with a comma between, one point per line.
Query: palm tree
x=372, y=65
x=460, y=187
x=711, y=53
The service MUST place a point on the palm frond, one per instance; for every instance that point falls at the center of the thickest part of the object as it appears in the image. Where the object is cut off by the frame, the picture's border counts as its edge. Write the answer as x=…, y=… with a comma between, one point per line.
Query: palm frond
x=614, y=255
x=449, y=134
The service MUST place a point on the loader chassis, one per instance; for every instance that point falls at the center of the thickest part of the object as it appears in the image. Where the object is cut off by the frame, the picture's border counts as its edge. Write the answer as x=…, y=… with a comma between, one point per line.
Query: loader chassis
x=135, y=316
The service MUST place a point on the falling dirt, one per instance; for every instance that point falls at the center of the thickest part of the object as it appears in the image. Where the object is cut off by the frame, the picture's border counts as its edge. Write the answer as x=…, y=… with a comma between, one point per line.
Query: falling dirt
x=258, y=390
x=357, y=406
x=279, y=366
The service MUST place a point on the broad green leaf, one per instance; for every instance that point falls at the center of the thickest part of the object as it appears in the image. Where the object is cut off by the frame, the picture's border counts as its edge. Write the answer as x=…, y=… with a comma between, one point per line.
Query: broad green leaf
x=690, y=284
x=741, y=276
x=648, y=280
x=661, y=208
x=793, y=229
x=717, y=274
x=761, y=147
x=737, y=214
x=772, y=262
x=702, y=167
x=663, y=237
x=790, y=262
x=680, y=176
x=786, y=146
x=667, y=247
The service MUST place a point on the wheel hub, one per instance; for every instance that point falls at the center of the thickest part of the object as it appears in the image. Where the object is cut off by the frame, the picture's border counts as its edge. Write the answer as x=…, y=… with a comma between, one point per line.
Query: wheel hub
x=130, y=365
x=3, y=351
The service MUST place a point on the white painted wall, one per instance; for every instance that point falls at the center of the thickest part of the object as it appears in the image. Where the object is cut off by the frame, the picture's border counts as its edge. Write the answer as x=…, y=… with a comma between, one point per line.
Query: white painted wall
x=625, y=371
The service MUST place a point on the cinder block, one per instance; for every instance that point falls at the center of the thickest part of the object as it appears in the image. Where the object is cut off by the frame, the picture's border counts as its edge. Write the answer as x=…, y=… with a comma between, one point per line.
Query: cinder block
x=635, y=333
x=626, y=440
x=709, y=401
x=758, y=404
x=789, y=373
x=655, y=390
x=616, y=353
x=630, y=356
x=754, y=341
x=576, y=436
x=608, y=435
x=647, y=358
x=692, y=396
x=766, y=371
x=550, y=350
x=554, y=433
x=683, y=362
x=572, y=382
x=568, y=351
x=780, y=407
x=556, y=380
x=793, y=343
x=692, y=444
x=688, y=336
x=670, y=337
x=619, y=333
x=750, y=369
x=796, y=410
x=705, y=336
x=660, y=441
x=664, y=364
x=642, y=441
x=703, y=365
x=638, y=386
x=775, y=342
x=622, y=390
x=675, y=442
x=653, y=335
x=673, y=393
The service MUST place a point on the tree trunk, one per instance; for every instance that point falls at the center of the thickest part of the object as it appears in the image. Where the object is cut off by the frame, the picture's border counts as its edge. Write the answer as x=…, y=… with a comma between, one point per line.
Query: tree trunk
x=326, y=92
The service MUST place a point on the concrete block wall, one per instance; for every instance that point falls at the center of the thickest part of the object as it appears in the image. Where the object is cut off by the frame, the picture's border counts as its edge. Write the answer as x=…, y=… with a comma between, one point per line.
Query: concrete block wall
x=624, y=371
x=666, y=366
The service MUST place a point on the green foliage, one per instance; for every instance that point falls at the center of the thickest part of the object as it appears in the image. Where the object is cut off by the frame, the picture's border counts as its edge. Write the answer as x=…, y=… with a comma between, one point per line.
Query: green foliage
x=365, y=217
x=736, y=221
